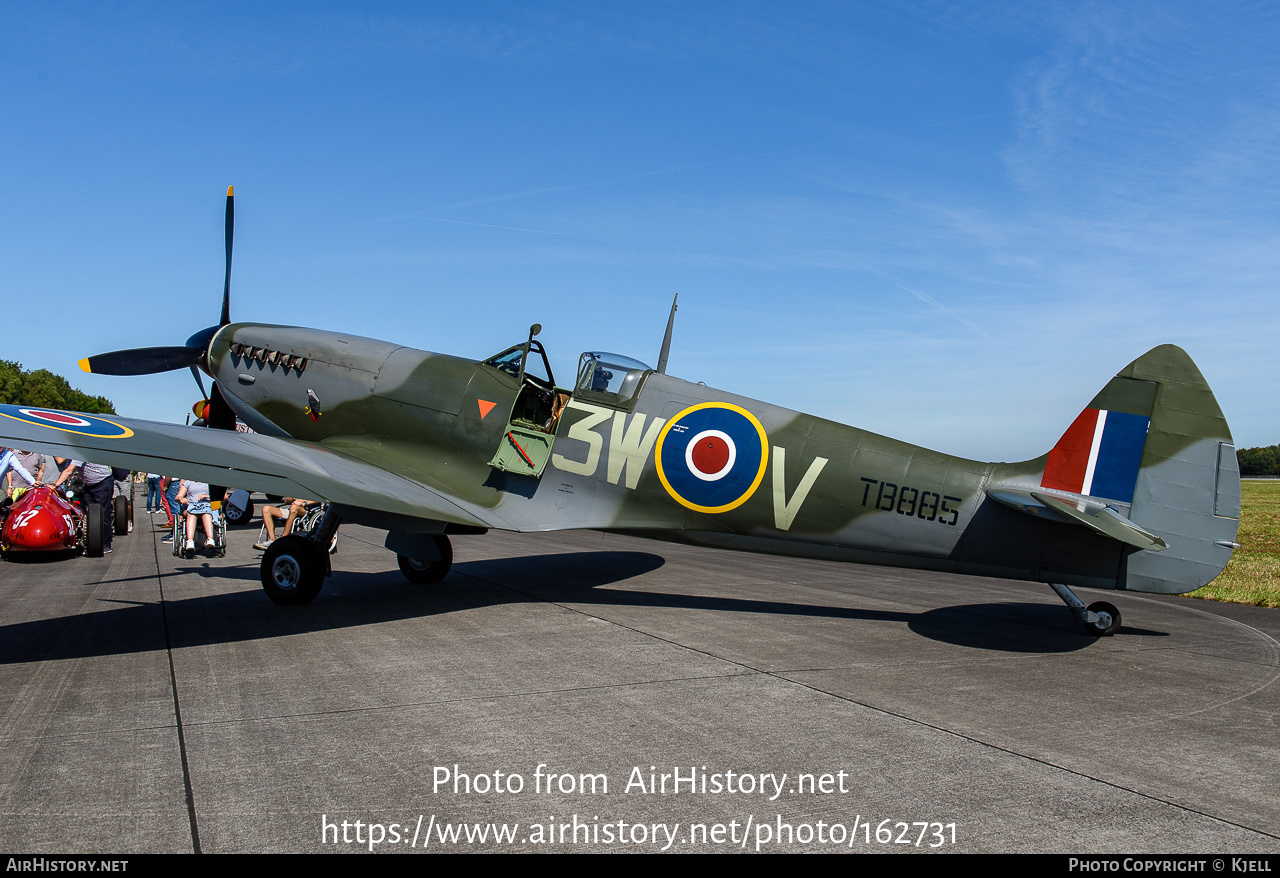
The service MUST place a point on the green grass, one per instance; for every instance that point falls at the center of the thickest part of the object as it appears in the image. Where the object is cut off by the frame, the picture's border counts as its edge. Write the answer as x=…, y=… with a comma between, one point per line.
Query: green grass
x=1253, y=574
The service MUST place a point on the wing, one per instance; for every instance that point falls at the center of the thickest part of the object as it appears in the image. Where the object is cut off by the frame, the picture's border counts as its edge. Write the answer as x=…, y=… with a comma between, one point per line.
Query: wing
x=288, y=467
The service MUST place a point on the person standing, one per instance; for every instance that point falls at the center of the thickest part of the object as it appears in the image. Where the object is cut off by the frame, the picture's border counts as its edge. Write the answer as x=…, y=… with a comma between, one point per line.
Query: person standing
x=171, y=505
x=154, y=497
x=99, y=484
x=9, y=460
x=29, y=470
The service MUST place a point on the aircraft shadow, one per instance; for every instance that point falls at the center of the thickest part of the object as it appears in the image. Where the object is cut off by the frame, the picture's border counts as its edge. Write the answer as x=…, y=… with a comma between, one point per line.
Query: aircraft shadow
x=354, y=599
x=1005, y=626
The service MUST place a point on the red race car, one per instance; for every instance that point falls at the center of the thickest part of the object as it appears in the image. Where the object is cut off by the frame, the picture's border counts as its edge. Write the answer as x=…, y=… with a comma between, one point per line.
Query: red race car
x=41, y=520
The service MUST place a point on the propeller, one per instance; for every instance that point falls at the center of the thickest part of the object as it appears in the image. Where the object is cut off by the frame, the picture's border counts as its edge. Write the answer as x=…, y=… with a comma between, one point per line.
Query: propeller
x=193, y=354
x=149, y=361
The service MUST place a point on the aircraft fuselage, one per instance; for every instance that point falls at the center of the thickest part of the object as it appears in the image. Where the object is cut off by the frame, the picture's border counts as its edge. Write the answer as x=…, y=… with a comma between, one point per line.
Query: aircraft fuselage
x=796, y=484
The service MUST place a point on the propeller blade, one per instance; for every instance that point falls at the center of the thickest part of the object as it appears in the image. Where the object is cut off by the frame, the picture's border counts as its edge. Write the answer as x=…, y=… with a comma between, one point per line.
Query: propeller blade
x=220, y=417
x=148, y=361
x=143, y=361
x=226, y=284
x=195, y=373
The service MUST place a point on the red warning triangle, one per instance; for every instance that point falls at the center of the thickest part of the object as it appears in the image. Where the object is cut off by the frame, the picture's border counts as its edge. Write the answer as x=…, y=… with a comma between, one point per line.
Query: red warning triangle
x=485, y=407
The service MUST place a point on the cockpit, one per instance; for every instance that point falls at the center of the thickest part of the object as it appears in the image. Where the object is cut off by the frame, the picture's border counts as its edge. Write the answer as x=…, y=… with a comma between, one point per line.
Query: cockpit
x=603, y=378
x=609, y=378
x=612, y=379
x=539, y=402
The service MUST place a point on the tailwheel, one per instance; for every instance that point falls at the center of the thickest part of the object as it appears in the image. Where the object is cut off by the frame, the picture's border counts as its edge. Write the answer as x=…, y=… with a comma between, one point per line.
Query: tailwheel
x=416, y=570
x=293, y=570
x=1108, y=622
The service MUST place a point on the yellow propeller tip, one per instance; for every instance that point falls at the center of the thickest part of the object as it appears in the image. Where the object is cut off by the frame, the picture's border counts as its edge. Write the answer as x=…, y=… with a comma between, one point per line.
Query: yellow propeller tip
x=84, y=364
x=229, y=192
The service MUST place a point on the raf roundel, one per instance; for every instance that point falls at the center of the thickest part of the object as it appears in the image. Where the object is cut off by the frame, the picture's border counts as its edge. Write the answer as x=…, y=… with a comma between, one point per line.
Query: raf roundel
x=85, y=425
x=711, y=457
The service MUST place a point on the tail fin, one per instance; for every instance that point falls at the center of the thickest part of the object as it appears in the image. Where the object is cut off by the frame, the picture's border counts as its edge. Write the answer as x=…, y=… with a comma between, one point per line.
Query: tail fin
x=1154, y=445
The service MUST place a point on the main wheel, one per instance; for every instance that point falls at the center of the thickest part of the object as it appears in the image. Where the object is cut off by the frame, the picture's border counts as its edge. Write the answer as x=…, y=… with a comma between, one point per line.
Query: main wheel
x=1108, y=620
x=292, y=570
x=121, y=517
x=235, y=517
x=428, y=571
x=94, y=537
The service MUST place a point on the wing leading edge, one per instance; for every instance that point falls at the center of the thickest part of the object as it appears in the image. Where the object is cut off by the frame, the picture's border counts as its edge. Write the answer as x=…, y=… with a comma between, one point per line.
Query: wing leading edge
x=252, y=461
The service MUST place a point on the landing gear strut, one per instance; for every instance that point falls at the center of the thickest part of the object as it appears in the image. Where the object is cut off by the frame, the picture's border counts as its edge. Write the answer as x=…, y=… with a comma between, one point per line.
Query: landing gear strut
x=1100, y=619
x=294, y=567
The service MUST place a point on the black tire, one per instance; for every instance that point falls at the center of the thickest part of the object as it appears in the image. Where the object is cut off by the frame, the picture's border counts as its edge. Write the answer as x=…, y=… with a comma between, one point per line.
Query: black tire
x=429, y=571
x=120, y=518
x=292, y=570
x=235, y=518
x=1109, y=623
x=94, y=533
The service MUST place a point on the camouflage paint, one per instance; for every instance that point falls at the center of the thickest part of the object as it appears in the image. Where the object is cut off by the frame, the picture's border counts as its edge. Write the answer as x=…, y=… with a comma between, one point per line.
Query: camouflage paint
x=403, y=439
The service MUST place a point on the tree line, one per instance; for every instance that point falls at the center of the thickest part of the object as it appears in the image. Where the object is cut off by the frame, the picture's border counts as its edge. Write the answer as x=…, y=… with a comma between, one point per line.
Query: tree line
x=40, y=387
x=1259, y=461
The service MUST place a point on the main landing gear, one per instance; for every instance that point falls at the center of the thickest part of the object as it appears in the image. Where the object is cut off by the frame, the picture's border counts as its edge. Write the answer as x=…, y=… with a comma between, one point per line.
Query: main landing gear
x=434, y=570
x=1100, y=619
x=294, y=567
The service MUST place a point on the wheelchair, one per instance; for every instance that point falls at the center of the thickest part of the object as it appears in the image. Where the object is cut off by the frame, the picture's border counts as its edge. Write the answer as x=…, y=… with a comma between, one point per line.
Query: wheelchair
x=219, y=534
x=304, y=524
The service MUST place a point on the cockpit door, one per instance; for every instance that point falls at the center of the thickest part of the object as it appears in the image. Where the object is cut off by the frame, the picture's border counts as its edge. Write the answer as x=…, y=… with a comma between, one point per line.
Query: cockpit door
x=526, y=442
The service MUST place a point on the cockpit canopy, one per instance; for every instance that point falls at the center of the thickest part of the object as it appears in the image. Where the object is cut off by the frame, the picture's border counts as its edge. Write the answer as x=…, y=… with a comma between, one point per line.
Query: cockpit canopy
x=609, y=378
x=513, y=358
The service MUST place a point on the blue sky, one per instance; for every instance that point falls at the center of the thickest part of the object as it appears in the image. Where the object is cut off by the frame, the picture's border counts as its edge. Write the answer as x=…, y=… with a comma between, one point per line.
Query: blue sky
x=949, y=223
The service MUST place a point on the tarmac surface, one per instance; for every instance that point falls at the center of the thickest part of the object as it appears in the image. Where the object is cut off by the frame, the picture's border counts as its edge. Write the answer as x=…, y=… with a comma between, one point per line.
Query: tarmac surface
x=157, y=704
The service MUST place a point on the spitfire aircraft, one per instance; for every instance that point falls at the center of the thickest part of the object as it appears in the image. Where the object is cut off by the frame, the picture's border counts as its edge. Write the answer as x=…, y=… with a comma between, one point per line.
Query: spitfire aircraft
x=1141, y=492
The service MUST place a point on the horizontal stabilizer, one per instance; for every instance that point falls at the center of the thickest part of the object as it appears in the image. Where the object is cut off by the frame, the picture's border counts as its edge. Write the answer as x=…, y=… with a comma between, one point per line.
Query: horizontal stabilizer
x=1078, y=509
x=1106, y=521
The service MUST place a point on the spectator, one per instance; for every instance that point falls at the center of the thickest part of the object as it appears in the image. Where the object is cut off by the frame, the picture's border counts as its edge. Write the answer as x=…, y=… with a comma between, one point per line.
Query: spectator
x=196, y=497
x=171, y=505
x=294, y=508
x=32, y=465
x=19, y=476
x=10, y=460
x=155, y=496
x=99, y=483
